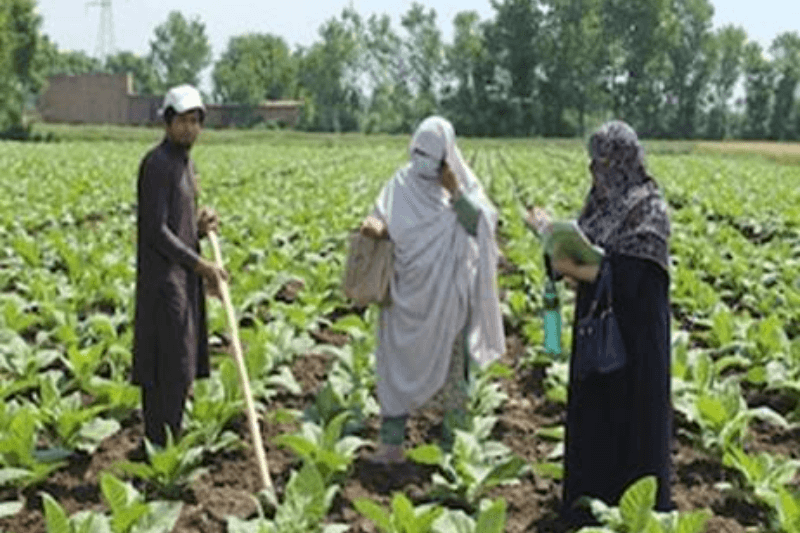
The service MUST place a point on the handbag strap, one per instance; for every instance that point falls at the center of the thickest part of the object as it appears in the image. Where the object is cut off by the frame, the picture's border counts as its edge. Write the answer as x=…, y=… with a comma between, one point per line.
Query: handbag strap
x=603, y=287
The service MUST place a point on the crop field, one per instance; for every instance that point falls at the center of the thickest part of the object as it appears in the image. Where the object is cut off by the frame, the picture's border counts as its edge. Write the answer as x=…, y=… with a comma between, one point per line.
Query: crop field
x=69, y=417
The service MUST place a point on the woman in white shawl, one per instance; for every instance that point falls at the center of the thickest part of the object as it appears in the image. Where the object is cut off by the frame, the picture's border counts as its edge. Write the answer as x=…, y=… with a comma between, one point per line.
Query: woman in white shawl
x=444, y=293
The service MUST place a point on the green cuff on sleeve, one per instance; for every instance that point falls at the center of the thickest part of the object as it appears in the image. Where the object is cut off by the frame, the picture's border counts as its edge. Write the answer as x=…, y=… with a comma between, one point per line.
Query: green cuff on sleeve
x=393, y=430
x=467, y=214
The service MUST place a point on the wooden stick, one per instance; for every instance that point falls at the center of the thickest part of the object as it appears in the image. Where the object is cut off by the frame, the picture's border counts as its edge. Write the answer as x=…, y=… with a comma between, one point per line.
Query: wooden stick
x=245, y=382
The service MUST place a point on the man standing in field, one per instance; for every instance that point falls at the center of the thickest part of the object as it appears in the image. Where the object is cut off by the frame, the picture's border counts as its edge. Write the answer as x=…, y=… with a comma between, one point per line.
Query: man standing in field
x=170, y=337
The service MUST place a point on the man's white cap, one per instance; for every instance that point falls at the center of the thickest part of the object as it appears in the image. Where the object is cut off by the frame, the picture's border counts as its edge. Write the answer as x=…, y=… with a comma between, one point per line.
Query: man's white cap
x=182, y=98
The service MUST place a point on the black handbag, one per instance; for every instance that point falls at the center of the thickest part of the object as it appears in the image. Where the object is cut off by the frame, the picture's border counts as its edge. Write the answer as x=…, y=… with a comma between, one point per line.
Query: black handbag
x=599, y=347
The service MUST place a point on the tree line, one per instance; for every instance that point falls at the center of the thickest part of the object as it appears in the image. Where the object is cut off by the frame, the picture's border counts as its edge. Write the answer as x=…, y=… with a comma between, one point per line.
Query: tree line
x=534, y=68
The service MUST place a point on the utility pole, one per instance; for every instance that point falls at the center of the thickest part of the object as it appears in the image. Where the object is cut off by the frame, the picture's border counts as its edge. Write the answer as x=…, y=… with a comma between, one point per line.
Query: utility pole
x=105, y=45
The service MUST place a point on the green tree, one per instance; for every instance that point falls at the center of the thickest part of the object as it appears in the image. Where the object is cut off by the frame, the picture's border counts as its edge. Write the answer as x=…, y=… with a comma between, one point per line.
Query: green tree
x=254, y=67
x=636, y=34
x=514, y=43
x=380, y=49
x=464, y=95
x=389, y=110
x=328, y=76
x=424, y=56
x=68, y=62
x=145, y=80
x=728, y=43
x=21, y=70
x=691, y=53
x=390, y=101
x=467, y=49
x=759, y=76
x=785, y=51
x=180, y=50
x=574, y=58
x=25, y=24
x=10, y=89
x=72, y=63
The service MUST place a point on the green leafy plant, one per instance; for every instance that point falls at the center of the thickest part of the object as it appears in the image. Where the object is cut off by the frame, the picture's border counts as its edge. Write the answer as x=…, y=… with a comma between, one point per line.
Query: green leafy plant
x=130, y=513
x=16, y=313
x=305, y=504
x=490, y=519
x=404, y=517
x=551, y=467
x=73, y=425
x=271, y=347
x=326, y=405
x=21, y=463
x=724, y=417
x=119, y=398
x=351, y=379
x=83, y=522
x=170, y=469
x=471, y=469
x=485, y=393
x=763, y=474
x=635, y=513
x=321, y=282
x=324, y=447
x=715, y=405
x=555, y=383
x=788, y=511
x=22, y=361
x=209, y=413
x=83, y=363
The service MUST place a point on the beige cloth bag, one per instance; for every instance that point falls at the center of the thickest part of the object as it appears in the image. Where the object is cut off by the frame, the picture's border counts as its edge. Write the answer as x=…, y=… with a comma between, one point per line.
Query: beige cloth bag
x=370, y=266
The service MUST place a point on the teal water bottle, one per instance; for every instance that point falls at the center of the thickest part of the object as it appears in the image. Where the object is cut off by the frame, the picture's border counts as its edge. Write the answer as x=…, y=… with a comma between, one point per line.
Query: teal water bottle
x=552, y=314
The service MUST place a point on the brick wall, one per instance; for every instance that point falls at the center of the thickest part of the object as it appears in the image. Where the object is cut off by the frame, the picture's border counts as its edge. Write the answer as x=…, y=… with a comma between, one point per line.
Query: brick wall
x=91, y=99
x=230, y=115
x=143, y=110
x=287, y=112
x=109, y=99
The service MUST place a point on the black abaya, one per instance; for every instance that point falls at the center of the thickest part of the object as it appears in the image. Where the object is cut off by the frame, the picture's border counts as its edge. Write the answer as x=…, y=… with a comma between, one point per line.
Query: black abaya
x=619, y=425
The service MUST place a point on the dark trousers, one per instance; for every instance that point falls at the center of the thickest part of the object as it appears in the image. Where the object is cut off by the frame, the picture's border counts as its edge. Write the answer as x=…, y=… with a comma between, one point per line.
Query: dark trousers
x=162, y=406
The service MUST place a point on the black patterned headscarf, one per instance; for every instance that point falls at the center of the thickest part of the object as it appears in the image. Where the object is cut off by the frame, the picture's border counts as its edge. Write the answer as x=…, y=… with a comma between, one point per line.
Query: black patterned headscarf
x=624, y=212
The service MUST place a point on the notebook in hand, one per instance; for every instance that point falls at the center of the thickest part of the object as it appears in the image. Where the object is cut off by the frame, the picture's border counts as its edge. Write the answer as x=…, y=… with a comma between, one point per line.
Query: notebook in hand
x=565, y=239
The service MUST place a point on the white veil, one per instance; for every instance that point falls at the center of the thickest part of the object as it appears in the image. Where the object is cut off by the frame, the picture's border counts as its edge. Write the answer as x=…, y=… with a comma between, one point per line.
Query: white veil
x=444, y=278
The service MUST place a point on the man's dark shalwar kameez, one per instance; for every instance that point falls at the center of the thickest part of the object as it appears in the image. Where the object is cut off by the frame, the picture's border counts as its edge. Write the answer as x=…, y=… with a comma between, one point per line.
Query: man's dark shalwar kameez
x=619, y=424
x=171, y=339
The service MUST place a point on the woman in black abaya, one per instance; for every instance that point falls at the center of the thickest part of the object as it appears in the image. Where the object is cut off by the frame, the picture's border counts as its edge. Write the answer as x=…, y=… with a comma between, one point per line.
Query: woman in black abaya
x=619, y=424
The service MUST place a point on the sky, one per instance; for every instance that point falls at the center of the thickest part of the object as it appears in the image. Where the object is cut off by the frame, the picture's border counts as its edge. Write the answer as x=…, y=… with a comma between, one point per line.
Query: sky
x=74, y=24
